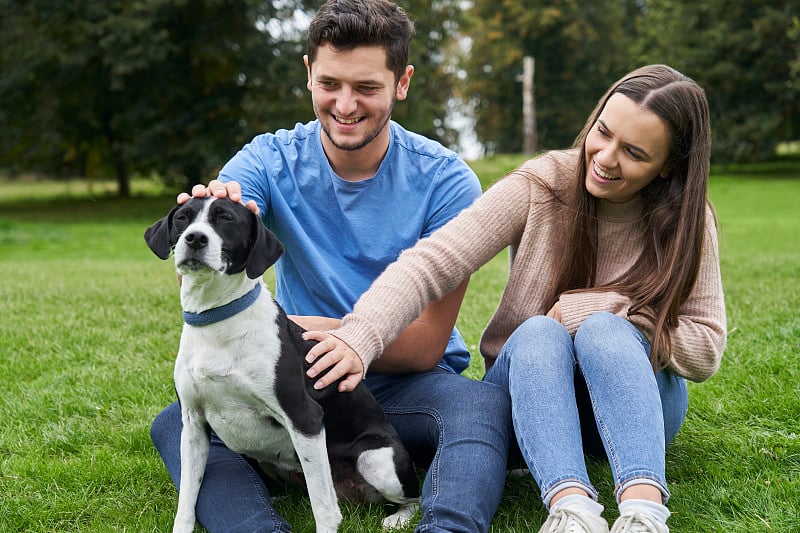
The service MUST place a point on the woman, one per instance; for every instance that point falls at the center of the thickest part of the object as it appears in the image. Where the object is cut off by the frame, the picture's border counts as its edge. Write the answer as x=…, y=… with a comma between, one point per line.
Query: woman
x=614, y=297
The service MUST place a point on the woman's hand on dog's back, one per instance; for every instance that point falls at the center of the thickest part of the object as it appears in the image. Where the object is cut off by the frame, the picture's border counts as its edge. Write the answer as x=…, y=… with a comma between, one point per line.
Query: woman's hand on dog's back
x=331, y=352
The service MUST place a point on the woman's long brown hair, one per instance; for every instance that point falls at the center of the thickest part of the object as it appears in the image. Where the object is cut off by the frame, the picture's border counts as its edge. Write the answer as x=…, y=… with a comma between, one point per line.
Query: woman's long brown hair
x=663, y=276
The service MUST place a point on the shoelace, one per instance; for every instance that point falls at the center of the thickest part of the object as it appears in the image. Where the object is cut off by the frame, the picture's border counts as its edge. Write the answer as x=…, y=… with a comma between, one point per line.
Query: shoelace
x=568, y=521
x=637, y=523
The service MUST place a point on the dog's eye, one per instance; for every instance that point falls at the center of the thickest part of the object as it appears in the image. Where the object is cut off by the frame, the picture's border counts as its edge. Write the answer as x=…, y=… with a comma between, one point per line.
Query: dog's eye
x=225, y=217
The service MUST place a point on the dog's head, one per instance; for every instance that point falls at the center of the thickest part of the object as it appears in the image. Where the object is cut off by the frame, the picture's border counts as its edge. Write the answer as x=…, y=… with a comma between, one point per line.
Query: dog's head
x=214, y=234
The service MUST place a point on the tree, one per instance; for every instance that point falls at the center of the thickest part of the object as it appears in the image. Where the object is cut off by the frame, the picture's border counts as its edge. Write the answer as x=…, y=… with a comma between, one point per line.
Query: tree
x=579, y=48
x=148, y=86
x=426, y=109
x=175, y=87
x=745, y=55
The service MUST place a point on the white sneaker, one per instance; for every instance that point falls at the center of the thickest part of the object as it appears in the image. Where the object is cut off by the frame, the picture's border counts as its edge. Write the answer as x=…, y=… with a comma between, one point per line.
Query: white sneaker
x=638, y=522
x=573, y=519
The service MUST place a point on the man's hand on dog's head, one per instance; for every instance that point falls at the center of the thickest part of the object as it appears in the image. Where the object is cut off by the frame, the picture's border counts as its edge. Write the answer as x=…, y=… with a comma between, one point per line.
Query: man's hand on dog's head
x=332, y=352
x=231, y=190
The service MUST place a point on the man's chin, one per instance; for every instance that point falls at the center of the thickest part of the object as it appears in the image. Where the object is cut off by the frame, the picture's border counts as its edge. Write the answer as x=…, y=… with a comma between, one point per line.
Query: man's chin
x=347, y=144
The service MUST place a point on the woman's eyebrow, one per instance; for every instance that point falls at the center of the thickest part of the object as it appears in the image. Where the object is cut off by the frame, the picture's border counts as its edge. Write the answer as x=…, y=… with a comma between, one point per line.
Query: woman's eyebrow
x=638, y=149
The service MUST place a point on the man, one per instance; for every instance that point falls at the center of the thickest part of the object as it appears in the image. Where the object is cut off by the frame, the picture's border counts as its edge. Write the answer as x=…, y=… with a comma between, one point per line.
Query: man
x=346, y=193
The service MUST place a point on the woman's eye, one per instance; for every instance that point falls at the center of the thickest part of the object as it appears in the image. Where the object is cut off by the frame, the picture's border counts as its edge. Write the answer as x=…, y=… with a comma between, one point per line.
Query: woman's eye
x=634, y=154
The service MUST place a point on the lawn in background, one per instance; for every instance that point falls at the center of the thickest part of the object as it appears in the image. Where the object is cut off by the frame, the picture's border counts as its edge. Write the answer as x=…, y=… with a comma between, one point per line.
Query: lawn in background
x=91, y=321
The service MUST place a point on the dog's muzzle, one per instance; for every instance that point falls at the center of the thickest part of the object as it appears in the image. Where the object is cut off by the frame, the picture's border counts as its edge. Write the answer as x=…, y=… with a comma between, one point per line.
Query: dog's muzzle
x=198, y=249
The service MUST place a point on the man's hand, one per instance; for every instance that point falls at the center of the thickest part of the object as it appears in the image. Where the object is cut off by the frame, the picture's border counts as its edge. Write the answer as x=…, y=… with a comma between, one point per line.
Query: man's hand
x=331, y=352
x=216, y=188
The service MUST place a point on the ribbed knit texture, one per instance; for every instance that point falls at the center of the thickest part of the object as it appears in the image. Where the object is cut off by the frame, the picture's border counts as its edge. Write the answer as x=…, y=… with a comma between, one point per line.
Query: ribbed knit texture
x=518, y=212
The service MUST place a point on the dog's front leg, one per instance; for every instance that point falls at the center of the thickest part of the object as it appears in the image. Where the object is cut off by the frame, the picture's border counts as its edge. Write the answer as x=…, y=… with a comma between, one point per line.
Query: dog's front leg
x=313, y=454
x=195, y=444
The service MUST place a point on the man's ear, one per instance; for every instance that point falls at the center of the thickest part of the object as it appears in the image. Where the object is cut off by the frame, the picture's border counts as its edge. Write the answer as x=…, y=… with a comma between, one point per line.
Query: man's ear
x=308, y=72
x=401, y=92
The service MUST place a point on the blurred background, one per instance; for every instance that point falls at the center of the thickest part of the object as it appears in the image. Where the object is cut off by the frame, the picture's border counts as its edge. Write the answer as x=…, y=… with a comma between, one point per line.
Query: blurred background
x=171, y=89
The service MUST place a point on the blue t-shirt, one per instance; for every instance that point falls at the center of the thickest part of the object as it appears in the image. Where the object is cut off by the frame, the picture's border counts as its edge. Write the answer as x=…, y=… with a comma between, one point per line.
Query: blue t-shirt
x=339, y=235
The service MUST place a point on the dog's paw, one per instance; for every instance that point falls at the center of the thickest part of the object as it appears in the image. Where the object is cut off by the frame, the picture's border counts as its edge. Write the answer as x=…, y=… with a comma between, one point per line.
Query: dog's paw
x=401, y=518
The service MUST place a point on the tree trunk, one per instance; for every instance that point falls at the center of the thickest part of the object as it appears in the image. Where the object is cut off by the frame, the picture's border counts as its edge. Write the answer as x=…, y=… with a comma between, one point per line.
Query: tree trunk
x=123, y=178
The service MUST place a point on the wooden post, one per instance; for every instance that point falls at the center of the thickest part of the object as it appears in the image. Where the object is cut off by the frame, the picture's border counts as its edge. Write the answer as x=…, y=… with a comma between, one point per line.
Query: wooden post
x=530, y=139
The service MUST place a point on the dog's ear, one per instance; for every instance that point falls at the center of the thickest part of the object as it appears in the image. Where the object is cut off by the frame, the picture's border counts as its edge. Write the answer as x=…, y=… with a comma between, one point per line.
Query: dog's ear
x=157, y=235
x=265, y=248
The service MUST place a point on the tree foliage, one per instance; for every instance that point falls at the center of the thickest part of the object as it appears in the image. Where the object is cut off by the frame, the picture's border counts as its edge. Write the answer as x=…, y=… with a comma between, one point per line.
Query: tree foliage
x=175, y=87
x=745, y=55
x=437, y=24
x=148, y=86
x=578, y=48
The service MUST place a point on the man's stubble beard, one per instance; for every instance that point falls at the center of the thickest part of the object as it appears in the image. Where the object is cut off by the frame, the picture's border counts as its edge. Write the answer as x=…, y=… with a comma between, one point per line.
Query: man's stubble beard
x=368, y=139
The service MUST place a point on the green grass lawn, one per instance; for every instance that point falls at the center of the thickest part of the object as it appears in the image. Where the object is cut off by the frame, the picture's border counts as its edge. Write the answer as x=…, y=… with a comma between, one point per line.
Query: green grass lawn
x=90, y=327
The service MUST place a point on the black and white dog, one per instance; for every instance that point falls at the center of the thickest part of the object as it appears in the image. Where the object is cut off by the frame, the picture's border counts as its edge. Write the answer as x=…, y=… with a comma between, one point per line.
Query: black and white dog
x=240, y=372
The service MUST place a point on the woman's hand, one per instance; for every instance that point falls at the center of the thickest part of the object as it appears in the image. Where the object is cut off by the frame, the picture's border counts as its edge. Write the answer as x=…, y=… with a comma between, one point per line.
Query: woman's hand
x=331, y=352
x=555, y=312
x=216, y=188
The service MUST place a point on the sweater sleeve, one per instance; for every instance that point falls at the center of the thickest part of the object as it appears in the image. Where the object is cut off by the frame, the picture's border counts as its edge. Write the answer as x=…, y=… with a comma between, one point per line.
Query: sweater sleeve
x=700, y=337
x=435, y=266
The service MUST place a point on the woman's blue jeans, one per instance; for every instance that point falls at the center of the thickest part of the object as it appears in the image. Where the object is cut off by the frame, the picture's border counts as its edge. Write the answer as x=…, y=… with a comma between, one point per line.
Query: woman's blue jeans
x=457, y=428
x=567, y=394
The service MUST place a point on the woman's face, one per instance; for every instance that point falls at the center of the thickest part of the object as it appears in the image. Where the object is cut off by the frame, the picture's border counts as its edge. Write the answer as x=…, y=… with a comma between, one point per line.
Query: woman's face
x=625, y=150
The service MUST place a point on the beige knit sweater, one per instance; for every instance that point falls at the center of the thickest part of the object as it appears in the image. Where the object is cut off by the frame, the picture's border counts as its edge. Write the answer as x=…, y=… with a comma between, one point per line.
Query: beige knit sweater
x=516, y=212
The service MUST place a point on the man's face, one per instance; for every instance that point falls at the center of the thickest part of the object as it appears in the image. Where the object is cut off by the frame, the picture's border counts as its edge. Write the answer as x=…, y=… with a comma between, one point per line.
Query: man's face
x=353, y=93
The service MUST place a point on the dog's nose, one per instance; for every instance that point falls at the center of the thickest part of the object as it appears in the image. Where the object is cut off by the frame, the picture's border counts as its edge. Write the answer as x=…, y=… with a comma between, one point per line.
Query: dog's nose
x=196, y=240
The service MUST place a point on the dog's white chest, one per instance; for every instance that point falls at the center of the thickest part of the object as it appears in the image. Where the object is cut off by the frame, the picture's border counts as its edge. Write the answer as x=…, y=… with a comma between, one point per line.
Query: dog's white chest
x=228, y=379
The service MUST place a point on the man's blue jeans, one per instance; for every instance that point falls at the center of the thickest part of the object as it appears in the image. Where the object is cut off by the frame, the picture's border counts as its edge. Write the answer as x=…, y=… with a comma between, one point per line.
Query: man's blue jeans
x=457, y=428
x=598, y=388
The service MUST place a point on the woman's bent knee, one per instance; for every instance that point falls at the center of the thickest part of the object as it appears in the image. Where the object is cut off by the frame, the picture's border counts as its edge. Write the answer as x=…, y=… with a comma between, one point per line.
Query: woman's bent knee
x=536, y=336
x=607, y=333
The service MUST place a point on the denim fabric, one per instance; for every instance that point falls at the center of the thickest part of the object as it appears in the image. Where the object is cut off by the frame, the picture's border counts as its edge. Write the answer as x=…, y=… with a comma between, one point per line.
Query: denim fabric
x=233, y=497
x=455, y=427
x=566, y=395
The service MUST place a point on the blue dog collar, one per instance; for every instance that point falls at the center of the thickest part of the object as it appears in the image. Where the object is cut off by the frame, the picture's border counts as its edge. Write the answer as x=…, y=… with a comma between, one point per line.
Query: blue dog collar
x=218, y=314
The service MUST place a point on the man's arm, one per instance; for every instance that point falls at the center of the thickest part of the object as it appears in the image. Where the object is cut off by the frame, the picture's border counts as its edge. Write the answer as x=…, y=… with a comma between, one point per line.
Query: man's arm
x=419, y=347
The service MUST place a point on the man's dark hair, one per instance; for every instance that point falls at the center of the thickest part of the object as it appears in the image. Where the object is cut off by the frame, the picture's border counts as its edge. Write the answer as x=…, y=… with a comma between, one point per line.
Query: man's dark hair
x=346, y=24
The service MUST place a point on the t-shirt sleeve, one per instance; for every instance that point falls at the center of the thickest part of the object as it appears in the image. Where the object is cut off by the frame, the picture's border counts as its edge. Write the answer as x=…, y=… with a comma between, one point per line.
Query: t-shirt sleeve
x=457, y=187
x=248, y=167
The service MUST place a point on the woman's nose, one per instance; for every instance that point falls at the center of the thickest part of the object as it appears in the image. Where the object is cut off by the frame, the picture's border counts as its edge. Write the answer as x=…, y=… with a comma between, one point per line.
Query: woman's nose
x=607, y=156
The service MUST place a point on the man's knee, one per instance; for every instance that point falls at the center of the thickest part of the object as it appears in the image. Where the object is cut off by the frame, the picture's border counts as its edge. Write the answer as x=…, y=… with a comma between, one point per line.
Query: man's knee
x=476, y=402
x=166, y=426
